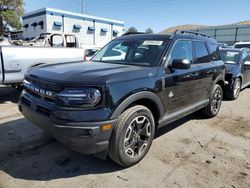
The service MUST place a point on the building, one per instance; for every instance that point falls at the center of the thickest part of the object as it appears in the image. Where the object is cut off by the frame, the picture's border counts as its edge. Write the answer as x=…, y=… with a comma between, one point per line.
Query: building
x=90, y=30
x=227, y=34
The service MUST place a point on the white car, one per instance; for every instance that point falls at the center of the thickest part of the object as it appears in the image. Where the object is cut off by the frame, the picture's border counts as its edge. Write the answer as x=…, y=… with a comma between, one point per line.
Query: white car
x=242, y=45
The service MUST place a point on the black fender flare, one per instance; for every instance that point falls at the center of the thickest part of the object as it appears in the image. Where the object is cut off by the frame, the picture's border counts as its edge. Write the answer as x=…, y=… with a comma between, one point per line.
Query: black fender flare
x=220, y=78
x=137, y=96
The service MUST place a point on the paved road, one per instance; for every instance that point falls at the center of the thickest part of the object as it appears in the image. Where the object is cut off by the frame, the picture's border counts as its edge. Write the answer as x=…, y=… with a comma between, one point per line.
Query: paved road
x=192, y=152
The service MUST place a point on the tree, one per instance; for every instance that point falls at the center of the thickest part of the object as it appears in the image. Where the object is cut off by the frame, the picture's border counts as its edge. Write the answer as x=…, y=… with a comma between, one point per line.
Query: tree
x=132, y=30
x=10, y=12
x=149, y=31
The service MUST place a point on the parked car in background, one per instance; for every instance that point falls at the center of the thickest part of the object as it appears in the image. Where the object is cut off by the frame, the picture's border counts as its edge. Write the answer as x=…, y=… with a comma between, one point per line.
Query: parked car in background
x=237, y=70
x=113, y=105
x=242, y=45
x=223, y=45
x=52, y=40
x=16, y=60
x=90, y=50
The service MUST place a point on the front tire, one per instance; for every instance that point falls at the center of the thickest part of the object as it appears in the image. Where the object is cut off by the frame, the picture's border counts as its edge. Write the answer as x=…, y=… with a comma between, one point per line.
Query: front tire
x=233, y=93
x=213, y=107
x=132, y=136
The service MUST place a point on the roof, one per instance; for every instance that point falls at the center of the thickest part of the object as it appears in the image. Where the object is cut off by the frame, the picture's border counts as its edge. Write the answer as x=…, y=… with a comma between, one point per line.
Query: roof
x=166, y=36
x=48, y=10
x=242, y=43
x=145, y=36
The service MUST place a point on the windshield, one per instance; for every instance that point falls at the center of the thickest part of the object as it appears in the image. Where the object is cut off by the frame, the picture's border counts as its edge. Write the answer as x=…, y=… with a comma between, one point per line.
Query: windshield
x=230, y=57
x=242, y=45
x=135, y=52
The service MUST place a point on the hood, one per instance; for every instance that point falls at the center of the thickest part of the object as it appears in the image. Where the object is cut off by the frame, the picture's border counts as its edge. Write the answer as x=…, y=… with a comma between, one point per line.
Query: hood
x=90, y=73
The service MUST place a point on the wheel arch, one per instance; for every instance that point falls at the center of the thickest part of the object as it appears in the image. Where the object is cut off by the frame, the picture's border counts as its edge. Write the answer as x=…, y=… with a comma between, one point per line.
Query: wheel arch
x=145, y=98
x=220, y=80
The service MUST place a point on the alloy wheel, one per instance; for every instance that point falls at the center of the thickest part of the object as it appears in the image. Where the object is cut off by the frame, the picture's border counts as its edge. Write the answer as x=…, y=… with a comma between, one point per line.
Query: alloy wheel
x=137, y=136
x=237, y=88
x=216, y=101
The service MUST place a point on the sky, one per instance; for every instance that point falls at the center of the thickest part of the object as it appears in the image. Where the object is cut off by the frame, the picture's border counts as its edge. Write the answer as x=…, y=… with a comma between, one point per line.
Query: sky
x=156, y=14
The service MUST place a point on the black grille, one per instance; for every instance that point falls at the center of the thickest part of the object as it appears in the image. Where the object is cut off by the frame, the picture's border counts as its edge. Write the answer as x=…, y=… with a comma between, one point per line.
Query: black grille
x=42, y=85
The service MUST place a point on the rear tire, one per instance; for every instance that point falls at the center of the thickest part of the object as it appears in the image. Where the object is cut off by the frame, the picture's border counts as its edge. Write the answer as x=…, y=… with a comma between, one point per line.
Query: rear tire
x=213, y=107
x=233, y=93
x=132, y=136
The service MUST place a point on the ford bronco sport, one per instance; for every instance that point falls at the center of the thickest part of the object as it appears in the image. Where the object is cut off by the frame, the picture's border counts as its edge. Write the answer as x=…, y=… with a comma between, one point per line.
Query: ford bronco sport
x=134, y=85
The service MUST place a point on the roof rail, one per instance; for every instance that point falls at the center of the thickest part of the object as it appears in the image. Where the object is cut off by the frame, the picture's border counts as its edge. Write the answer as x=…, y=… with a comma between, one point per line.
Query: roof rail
x=178, y=31
x=132, y=33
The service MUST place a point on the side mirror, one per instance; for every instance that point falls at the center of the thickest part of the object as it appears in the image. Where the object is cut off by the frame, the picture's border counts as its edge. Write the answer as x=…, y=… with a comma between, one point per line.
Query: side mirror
x=247, y=63
x=181, y=64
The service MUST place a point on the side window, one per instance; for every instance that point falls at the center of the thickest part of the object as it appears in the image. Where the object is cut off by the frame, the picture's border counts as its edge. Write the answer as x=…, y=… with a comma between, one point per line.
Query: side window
x=182, y=49
x=214, y=51
x=201, y=53
x=245, y=57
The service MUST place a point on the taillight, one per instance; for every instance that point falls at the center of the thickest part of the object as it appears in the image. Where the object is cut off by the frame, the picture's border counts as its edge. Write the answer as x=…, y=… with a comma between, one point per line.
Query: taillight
x=84, y=57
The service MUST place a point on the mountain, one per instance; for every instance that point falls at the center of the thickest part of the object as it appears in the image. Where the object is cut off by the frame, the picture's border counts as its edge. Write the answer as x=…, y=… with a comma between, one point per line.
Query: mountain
x=194, y=26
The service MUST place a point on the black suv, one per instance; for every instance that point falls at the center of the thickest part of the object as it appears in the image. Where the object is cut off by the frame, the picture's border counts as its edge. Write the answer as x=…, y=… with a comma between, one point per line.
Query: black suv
x=135, y=84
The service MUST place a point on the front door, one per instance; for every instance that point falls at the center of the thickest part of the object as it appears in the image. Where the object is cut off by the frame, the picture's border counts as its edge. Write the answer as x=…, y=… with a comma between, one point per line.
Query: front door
x=180, y=84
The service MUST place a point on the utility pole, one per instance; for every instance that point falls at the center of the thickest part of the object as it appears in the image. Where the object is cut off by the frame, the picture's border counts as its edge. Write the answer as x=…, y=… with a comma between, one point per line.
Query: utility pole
x=82, y=6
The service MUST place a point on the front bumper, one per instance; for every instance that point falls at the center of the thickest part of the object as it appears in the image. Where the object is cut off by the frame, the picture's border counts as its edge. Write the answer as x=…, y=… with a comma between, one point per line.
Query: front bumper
x=84, y=137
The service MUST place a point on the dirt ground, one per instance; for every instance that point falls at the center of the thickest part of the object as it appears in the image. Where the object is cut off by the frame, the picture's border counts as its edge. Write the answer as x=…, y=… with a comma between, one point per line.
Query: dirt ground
x=192, y=152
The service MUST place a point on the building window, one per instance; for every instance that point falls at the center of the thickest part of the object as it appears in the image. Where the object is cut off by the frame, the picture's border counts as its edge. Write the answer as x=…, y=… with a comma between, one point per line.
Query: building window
x=34, y=25
x=91, y=28
x=26, y=26
x=57, y=26
x=76, y=28
x=104, y=30
x=41, y=24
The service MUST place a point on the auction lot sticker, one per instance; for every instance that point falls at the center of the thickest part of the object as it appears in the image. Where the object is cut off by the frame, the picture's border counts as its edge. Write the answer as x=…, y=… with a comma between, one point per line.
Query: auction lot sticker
x=152, y=42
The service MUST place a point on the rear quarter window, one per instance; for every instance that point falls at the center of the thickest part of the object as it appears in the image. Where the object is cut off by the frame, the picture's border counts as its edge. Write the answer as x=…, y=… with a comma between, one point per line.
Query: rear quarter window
x=214, y=51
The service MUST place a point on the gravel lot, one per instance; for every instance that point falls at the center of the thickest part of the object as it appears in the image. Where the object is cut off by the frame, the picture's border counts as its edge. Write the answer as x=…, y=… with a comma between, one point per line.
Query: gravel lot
x=192, y=152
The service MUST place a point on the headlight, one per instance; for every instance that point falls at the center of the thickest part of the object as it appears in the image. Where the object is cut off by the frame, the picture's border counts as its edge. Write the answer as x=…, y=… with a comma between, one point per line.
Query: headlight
x=87, y=97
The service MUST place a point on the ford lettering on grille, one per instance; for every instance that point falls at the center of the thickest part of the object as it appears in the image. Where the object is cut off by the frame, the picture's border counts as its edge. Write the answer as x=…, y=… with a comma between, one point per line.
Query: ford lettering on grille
x=38, y=90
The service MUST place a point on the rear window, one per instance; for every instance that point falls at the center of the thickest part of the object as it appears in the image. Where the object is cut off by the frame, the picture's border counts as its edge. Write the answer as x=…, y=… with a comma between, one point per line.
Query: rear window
x=201, y=53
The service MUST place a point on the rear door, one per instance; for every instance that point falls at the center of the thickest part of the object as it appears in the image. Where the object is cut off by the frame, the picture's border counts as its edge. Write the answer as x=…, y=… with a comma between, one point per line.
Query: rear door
x=205, y=70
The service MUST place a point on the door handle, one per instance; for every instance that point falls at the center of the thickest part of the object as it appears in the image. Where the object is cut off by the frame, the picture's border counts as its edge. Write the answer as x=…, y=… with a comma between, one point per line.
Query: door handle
x=193, y=75
x=210, y=72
